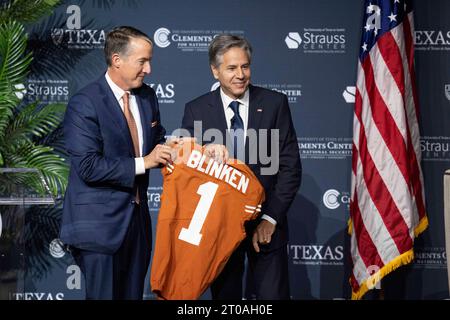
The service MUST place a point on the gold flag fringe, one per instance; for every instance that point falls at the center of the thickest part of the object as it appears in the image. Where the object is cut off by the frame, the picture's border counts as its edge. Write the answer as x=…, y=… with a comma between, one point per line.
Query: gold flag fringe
x=399, y=261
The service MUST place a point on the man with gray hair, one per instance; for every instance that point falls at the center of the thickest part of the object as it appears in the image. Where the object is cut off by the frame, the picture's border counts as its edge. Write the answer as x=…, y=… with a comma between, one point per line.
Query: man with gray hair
x=252, y=120
x=113, y=135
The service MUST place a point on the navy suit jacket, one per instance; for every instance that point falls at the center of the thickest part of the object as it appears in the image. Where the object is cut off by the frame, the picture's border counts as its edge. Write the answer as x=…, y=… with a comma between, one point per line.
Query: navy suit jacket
x=267, y=110
x=100, y=196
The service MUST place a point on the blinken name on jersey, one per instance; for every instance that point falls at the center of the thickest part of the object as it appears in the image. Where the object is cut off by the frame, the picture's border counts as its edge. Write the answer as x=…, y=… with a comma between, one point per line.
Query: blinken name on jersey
x=204, y=206
x=220, y=171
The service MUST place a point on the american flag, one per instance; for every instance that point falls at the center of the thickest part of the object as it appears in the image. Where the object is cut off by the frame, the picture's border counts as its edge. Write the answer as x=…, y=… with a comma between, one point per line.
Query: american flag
x=387, y=209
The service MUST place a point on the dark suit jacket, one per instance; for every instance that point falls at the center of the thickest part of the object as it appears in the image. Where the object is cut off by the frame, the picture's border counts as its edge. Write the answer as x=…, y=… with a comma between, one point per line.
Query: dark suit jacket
x=100, y=196
x=268, y=110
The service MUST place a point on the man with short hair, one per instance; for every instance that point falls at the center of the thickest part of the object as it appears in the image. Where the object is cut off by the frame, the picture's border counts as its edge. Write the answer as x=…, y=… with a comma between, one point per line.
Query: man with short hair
x=235, y=109
x=113, y=135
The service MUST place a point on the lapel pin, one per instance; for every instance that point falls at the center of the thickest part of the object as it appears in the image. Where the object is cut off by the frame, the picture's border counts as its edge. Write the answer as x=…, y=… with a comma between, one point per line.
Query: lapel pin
x=258, y=110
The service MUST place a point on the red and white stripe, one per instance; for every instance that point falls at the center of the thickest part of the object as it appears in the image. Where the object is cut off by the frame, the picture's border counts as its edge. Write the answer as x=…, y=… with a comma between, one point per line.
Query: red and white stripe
x=253, y=209
x=387, y=196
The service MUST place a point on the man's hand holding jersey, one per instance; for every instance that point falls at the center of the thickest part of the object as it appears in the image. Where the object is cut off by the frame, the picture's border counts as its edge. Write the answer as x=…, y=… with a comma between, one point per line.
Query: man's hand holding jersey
x=218, y=152
x=160, y=155
x=165, y=153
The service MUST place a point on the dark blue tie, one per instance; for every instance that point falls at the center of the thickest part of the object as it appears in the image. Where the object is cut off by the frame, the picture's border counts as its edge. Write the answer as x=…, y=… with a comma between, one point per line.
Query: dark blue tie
x=237, y=125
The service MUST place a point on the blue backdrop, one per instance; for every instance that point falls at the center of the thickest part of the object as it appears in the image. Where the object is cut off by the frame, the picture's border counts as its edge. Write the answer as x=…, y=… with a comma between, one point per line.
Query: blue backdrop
x=317, y=76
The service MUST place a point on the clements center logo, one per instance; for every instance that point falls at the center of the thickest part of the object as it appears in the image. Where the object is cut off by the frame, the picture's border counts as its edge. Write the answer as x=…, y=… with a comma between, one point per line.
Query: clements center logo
x=293, y=91
x=317, y=40
x=325, y=148
x=332, y=199
x=161, y=37
x=188, y=40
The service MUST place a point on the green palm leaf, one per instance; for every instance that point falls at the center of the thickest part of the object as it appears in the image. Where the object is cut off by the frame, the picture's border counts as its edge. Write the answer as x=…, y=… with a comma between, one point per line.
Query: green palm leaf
x=13, y=68
x=14, y=62
x=20, y=126
x=25, y=129
x=7, y=104
x=32, y=121
x=51, y=165
x=54, y=169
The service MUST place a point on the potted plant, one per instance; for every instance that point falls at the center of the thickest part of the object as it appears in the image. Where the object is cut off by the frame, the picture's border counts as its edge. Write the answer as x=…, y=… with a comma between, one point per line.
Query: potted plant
x=23, y=127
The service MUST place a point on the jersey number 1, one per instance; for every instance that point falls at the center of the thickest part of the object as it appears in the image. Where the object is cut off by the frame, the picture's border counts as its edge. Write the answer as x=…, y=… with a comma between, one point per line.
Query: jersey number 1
x=207, y=191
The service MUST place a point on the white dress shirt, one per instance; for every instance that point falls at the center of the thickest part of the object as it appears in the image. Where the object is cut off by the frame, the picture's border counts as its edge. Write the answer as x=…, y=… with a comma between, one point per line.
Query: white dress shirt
x=244, y=104
x=118, y=93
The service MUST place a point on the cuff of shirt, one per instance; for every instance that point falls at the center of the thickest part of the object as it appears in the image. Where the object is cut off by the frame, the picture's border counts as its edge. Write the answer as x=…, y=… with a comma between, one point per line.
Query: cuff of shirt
x=140, y=165
x=270, y=219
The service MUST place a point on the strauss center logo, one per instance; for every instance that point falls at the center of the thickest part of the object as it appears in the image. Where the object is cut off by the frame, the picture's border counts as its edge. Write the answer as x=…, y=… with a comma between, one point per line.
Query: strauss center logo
x=317, y=40
x=349, y=94
x=293, y=40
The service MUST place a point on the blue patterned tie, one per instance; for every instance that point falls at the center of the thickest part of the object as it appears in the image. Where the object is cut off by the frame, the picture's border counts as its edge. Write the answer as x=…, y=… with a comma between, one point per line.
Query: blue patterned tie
x=238, y=126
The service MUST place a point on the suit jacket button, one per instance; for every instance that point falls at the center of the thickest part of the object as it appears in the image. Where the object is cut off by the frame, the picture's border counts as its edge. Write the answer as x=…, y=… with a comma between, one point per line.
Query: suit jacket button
x=133, y=202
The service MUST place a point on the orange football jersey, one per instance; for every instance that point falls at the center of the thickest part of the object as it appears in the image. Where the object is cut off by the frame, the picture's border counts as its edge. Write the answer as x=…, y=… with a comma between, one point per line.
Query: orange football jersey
x=204, y=205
